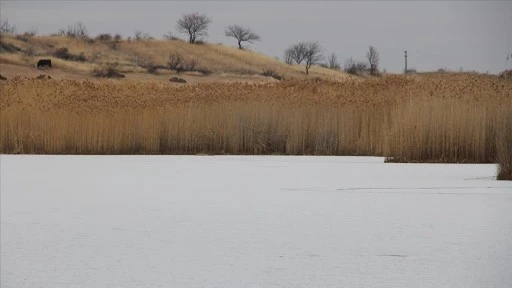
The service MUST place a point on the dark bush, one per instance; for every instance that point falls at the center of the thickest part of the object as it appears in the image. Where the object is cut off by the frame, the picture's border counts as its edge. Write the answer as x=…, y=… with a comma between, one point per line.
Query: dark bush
x=175, y=62
x=108, y=72
x=507, y=74
x=8, y=47
x=25, y=37
x=104, y=37
x=44, y=77
x=177, y=80
x=63, y=53
x=271, y=73
x=356, y=67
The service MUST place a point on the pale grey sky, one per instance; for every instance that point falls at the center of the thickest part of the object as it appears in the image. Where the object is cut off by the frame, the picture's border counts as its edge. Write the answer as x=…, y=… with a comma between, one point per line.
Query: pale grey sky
x=474, y=35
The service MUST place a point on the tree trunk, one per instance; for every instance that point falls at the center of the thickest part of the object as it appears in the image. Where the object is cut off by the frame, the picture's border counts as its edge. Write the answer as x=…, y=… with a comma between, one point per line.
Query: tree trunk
x=240, y=45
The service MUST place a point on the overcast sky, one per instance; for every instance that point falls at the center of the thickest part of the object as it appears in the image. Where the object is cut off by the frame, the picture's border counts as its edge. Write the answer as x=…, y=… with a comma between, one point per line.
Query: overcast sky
x=473, y=35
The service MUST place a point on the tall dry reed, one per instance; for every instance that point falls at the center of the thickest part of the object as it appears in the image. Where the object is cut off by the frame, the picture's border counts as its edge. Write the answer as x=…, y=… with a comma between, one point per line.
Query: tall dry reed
x=456, y=118
x=504, y=146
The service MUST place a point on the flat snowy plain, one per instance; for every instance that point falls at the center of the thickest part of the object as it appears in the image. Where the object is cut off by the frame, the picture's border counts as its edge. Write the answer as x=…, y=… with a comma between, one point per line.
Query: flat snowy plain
x=241, y=221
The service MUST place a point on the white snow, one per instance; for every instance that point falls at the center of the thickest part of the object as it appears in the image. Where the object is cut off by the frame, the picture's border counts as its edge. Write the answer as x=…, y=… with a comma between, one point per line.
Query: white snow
x=242, y=221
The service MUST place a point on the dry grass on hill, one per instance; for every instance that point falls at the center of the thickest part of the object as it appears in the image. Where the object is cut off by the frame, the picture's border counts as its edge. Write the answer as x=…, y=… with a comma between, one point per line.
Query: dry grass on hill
x=433, y=118
x=133, y=56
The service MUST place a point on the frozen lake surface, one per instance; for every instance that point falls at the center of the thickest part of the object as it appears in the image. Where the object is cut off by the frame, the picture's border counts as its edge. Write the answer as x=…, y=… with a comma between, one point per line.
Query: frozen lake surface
x=237, y=221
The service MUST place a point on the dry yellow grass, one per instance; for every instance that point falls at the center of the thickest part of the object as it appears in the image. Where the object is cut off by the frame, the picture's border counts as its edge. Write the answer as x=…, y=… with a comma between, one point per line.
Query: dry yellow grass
x=432, y=118
x=128, y=56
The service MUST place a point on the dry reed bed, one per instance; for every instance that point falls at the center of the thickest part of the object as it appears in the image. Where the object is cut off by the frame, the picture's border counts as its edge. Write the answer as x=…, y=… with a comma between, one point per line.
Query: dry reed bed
x=504, y=148
x=449, y=118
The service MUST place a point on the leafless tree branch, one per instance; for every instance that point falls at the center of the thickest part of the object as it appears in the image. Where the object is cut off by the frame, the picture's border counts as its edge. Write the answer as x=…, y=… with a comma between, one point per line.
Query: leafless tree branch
x=241, y=34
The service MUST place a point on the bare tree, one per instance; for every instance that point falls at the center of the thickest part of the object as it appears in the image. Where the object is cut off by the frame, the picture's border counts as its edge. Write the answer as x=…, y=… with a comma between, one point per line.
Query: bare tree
x=288, y=56
x=194, y=25
x=373, y=60
x=241, y=34
x=313, y=55
x=170, y=36
x=77, y=30
x=139, y=35
x=333, y=62
x=296, y=53
x=6, y=28
x=308, y=52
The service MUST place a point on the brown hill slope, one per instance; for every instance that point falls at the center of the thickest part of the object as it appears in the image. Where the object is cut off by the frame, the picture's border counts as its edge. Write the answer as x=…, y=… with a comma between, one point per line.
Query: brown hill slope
x=136, y=58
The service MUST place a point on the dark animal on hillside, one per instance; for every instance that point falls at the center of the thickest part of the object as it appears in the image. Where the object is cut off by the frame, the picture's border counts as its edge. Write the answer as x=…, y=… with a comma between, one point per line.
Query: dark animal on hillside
x=44, y=63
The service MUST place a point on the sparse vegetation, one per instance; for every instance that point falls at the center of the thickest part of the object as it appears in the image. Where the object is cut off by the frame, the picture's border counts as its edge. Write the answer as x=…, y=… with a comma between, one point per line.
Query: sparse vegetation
x=135, y=56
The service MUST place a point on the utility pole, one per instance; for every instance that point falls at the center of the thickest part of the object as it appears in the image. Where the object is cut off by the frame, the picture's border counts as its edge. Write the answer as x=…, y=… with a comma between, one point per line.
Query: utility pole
x=405, y=71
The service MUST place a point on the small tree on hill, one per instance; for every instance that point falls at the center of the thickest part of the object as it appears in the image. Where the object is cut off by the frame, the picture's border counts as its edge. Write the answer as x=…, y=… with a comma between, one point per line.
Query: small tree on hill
x=308, y=52
x=195, y=25
x=373, y=60
x=295, y=53
x=333, y=62
x=77, y=30
x=6, y=28
x=313, y=55
x=241, y=34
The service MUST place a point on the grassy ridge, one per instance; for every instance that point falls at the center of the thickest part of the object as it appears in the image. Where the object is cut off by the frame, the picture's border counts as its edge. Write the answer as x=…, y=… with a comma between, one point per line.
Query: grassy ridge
x=132, y=56
x=449, y=118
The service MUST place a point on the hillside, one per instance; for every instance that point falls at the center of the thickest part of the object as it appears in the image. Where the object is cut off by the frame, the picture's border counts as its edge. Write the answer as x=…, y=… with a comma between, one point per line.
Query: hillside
x=145, y=59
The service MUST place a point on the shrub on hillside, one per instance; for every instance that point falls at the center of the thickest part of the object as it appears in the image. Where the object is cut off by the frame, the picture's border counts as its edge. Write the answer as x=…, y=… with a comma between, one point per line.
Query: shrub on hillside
x=77, y=30
x=271, y=73
x=356, y=67
x=8, y=47
x=177, y=80
x=507, y=74
x=25, y=37
x=179, y=64
x=175, y=61
x=29, y=51
x=108, y=72
x=104, y=37
x=63, y=53
x=171, y=37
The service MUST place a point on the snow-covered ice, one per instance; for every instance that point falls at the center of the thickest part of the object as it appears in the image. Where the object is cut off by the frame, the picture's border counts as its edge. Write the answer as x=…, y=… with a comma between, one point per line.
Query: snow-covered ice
x=242, y=221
